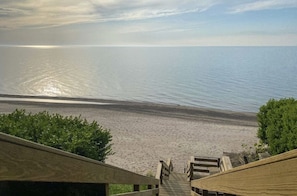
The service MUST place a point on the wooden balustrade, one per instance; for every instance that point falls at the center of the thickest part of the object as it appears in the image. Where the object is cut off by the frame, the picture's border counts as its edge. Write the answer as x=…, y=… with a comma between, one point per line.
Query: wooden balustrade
x=276, y=175
x=164, y=170
x=23, y=162
x=190, y=170
x=225, y=163
x=202, y=165
x=29, y=165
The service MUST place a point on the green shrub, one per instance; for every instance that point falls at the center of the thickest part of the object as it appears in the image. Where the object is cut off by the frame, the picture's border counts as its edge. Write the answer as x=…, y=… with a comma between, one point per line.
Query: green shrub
x=120, y=188
x=72, y=134
x=123, y=188
x=278, y=125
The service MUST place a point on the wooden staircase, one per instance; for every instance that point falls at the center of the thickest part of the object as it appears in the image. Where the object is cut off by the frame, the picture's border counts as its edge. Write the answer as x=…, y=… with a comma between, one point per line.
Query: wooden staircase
x=176, y=185
x=36, y=167
x=179, y=184
x=172, y=183
x=199, y=167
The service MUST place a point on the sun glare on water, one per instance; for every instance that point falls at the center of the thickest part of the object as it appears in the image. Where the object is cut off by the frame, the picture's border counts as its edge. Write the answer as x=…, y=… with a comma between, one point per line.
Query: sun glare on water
x=51, y=89
x=39, y=46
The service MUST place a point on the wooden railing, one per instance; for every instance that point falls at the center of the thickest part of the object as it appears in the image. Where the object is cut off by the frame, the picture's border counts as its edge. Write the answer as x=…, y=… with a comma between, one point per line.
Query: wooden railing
x=201, y=165
x=225, y=163
x=24, y=162
x=276, y=175
x=164, y=170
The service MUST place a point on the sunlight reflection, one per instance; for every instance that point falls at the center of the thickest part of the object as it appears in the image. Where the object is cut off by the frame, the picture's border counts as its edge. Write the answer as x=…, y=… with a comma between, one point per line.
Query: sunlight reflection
x=39, y=46
x=51, y=89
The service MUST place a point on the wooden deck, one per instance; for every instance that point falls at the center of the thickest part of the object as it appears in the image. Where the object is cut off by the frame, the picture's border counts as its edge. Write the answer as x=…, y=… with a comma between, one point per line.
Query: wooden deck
x=177, y=184
x=27, y=164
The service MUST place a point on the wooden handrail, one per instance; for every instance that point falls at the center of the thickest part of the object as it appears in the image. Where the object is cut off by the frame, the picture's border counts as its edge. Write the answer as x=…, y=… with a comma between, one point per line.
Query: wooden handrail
x=276, y=175
x=201, y=165
x=170, y=165
x=164, y=170
x=22, y=160
x=190, y=170
x=225, y=163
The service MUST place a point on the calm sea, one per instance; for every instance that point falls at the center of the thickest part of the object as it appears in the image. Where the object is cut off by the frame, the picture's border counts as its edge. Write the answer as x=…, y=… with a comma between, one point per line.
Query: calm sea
x=233, y=78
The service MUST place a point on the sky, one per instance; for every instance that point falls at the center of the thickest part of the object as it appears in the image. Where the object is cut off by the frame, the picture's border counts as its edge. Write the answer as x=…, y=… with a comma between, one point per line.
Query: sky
x=149, y=22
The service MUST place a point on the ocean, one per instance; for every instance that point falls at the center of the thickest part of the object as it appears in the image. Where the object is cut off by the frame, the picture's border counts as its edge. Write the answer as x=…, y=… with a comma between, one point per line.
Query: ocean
x=228, y=78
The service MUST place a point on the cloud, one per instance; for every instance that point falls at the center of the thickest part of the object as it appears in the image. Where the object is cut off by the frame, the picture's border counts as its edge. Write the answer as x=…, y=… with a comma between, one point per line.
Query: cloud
x=264, y=5
x=11, y=12
x=45, y=13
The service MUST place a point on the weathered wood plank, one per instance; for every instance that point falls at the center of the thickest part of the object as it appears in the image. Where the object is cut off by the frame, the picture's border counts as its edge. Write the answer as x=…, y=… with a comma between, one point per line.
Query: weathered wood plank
x=207, y=159
x=165, y=172
x=159, y=171
x=22, y=160
x=201, y=170
x=204, y=164
x=190, y=171
x=177, y=185
x=225, y=163
x=165, y=168
x=271, y=176
x=170, y=164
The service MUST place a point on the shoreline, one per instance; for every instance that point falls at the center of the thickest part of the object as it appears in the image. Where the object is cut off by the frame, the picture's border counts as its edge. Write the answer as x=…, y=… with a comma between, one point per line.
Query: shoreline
x=156, y=109
x=144, y=133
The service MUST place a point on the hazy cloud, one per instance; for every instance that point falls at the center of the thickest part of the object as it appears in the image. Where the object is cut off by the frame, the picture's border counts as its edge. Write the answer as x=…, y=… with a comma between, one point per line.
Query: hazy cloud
x=44, y=13
x=264, y=5
x=147, y=22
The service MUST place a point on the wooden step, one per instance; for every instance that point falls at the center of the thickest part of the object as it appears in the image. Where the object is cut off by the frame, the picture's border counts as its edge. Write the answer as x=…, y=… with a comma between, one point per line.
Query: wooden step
x=201, y=170
x=177, y=185
x=198, y=164
x=207, y=159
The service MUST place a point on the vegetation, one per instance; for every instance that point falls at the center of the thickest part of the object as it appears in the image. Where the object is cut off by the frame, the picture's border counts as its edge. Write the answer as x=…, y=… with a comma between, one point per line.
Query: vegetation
x=123, y=188
x=126, y=188
x=120, y=188
x=278, y=125
x=72, y=134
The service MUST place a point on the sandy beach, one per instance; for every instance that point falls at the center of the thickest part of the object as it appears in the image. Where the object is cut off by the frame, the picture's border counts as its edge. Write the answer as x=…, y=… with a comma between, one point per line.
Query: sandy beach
x=144, y=133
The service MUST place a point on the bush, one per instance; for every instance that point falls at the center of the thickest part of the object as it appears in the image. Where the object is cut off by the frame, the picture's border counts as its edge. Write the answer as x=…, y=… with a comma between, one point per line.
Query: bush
x=72, y=134
x=278, y=125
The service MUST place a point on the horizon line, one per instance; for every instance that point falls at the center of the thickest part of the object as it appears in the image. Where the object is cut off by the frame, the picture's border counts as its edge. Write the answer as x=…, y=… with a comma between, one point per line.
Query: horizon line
x=48, y=46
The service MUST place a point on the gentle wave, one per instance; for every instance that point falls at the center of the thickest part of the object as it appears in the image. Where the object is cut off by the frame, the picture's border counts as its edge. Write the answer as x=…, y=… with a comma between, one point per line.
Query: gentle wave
x=233, y=78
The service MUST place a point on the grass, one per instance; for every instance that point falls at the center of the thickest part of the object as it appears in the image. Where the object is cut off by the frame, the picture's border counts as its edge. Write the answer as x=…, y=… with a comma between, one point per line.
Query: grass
x=123, y=188
x=126, y=188
x=120, y=188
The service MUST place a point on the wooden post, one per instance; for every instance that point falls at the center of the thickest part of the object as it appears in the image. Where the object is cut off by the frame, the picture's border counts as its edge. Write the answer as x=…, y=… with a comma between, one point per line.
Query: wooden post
x=219, y=160
x=157, y=187
x=161, y=174
x=107, y=189
x=196, y=190
x=170, y=165
x=205, y=192
x=191, y=170
x=245, y=160
x=136, y=187
x=225, y=163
